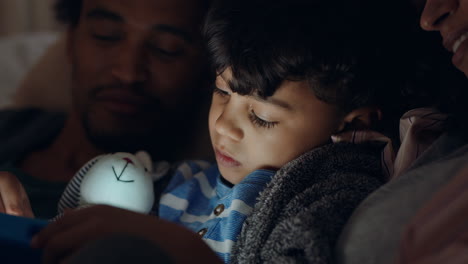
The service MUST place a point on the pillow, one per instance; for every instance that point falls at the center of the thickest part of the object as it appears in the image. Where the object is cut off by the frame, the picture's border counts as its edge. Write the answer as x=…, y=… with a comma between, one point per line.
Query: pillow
x=47, y=84
x=17, y=55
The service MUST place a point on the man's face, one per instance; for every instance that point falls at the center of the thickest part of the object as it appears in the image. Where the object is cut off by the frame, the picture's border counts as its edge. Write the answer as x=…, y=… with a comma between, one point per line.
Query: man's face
x=250, y=133
x=450, y=18
x=137, y=66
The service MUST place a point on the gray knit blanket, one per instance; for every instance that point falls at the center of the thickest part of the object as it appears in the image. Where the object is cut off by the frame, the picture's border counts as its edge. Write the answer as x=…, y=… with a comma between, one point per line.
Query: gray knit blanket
x=299, y=215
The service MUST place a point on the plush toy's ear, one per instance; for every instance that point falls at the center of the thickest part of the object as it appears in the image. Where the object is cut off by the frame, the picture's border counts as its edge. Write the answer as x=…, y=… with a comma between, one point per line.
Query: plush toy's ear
x=145, y=160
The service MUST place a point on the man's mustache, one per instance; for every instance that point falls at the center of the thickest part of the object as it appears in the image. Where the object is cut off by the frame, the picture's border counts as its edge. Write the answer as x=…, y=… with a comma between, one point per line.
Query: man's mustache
x=136, y=89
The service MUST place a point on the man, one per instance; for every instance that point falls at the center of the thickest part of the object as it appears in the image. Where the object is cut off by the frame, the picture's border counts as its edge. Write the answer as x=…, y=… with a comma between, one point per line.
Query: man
x=138, y=75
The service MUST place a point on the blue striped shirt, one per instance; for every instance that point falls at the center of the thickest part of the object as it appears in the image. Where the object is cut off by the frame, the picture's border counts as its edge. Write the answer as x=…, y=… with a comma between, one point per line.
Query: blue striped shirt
x=198, y=199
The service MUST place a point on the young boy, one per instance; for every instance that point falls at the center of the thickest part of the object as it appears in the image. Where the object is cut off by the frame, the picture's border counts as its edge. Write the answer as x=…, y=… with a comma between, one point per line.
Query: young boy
x=289, y=76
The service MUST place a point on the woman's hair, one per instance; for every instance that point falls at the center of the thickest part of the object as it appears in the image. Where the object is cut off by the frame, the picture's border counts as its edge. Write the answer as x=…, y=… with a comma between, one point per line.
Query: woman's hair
x=68, y=11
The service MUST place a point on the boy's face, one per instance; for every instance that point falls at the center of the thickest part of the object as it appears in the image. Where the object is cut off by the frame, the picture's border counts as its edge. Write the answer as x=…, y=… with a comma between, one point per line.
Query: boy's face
x=249, y=133
x=134, y=64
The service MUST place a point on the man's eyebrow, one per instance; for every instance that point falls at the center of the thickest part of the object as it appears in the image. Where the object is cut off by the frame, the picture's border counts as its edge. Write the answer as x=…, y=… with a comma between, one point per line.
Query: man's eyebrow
x=174, y=31
x=101, y=13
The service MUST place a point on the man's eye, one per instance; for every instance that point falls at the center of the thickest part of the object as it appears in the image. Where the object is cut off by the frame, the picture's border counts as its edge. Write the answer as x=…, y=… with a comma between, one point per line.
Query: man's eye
x=165, y=52
x=221, y=92
x=107, y=38
x=257, y=121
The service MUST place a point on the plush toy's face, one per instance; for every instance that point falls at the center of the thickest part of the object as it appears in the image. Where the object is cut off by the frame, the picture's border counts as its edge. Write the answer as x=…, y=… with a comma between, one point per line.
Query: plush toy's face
x=119, y=180
x=120, y=176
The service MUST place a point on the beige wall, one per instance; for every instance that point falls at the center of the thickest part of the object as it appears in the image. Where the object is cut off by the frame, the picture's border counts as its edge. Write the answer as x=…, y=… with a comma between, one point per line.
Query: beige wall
x=19, y=16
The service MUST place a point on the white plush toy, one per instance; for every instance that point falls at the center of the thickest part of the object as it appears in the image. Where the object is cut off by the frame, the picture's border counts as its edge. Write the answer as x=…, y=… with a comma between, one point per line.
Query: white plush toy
x=120, y=179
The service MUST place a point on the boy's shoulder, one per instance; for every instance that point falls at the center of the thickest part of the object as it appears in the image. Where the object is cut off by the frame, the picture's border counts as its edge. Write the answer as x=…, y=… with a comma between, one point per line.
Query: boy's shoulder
x=187, y=169
x=193, y=170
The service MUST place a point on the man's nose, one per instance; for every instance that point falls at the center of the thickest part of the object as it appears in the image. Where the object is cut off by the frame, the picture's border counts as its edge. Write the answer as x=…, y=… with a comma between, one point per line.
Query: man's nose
x=129, y=64
x=227, y=125
x=436, y=12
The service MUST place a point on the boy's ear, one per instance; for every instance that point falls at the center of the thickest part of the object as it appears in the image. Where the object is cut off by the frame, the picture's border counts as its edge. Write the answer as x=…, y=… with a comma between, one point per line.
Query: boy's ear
x=361, y=118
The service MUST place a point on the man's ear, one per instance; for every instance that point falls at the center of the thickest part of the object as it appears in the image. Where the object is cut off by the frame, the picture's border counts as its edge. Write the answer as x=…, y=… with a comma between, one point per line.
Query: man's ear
x=361, y=119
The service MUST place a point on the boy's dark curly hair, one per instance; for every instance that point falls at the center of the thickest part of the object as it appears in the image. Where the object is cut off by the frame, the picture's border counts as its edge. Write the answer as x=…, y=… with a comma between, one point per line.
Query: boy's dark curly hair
x=334, y=45
x=353, y=53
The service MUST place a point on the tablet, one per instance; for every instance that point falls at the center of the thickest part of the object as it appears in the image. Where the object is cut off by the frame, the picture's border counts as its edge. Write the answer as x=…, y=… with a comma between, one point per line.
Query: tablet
x=15, y=238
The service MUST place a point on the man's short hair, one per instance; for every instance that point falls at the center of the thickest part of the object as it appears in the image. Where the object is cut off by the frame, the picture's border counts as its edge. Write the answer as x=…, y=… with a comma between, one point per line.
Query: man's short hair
x=69, y=11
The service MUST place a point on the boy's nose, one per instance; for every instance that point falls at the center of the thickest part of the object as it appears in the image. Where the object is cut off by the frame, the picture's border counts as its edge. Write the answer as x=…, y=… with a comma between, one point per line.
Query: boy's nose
x=226, y=125
x=436, y=12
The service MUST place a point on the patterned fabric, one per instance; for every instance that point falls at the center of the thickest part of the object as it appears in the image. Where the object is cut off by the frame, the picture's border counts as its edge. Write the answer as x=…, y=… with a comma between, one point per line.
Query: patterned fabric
x=199, y=200
x=419, y=128
x=439, y=232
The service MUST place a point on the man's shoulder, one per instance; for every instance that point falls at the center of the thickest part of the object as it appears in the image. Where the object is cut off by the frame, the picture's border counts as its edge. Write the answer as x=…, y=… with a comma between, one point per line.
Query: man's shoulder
x=16, y=119
x=24, y=129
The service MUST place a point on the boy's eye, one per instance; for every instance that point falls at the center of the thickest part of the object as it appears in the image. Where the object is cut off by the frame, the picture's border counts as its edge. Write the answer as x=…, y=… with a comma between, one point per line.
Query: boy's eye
x=260, y=122
x=221, y=92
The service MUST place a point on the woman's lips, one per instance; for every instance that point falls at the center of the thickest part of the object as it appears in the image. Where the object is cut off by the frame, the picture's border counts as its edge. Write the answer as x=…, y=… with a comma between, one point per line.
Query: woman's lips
x=226, y=161
x=453, y=40
x=459, y=55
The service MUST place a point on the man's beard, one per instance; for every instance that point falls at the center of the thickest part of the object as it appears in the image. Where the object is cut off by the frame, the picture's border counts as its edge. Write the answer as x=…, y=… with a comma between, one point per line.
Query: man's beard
x=132, y=133
x=118, y=141
x=163, y=141
x=161, y=131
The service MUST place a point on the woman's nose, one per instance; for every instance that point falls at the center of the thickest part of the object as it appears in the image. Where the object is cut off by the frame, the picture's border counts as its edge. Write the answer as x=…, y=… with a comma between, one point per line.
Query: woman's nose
x=436, y=12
